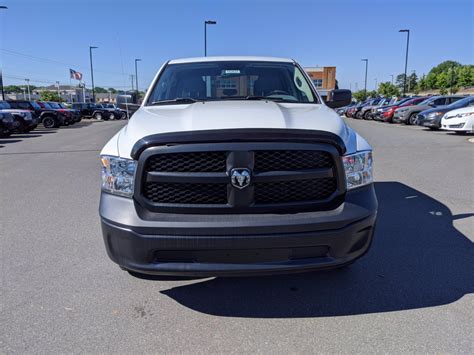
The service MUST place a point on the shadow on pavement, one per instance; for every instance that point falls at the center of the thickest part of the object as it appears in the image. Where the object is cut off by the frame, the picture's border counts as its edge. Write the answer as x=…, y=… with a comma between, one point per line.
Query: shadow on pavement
x=417, y=260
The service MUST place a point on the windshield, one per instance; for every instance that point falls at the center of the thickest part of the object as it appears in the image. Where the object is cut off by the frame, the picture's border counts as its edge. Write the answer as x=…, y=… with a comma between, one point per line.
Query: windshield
x=53, y=105
x=4, y=105
x=231, y=80
x=462, y=103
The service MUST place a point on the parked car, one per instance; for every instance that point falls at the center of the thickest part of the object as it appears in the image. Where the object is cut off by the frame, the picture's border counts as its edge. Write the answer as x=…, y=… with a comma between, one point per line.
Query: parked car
x=408, y=114
x=91, y=110
x=24, y=117
x=343, y=110
x=364, y=111
x=370, y=111
x=76, y=114
x=355, y=110
x=8, y=124
x=236, y=174
x=68, y=115
x=48, y=117
x=115, y=112
x=432, y=118
x=385, y=113
x=460, y=120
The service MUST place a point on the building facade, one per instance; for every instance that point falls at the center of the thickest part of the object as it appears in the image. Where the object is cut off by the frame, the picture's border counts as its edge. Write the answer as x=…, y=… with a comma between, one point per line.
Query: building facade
x=324, y=78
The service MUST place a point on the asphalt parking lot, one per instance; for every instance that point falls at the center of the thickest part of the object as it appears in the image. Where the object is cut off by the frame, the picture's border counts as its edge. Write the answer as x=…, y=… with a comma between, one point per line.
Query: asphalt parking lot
x=413, y=292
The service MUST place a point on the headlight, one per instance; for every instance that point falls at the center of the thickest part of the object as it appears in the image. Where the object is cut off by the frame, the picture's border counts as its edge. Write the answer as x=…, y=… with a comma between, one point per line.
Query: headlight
x=434, y=114
x=358, y=168
x=118, y=175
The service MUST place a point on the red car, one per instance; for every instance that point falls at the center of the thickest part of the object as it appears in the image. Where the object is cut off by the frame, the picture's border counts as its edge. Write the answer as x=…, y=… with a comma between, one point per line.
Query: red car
x=385, y=114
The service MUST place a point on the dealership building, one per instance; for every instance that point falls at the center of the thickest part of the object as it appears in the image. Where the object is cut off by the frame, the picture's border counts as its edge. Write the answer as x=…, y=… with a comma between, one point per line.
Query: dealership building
x=324, y=78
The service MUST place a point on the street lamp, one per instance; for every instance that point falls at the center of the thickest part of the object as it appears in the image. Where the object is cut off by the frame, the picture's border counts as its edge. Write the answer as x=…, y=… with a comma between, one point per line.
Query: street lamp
x=1, y=76
x=28, y=86
x=92, y=72
x=366, y=69
x=406, y=60
x=207, y=22
x=57, y=86
x=136, y=74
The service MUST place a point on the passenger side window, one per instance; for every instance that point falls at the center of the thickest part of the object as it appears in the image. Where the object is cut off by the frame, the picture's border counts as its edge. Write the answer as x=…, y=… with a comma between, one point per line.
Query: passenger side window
x=440, y=101
x=453, y=99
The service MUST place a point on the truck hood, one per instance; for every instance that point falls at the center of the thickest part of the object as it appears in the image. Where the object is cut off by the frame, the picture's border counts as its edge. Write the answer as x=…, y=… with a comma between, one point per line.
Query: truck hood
x=149, y=120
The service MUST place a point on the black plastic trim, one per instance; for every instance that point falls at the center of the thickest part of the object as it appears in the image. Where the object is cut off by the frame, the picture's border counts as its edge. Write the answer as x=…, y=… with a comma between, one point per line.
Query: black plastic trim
x=239, y=135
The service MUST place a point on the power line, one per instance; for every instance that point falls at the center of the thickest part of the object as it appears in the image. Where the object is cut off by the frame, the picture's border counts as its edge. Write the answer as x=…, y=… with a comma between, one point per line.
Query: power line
x=47, y=60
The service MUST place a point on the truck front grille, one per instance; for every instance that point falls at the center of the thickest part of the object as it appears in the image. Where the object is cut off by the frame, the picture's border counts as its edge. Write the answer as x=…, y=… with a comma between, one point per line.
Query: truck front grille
x=195, y=178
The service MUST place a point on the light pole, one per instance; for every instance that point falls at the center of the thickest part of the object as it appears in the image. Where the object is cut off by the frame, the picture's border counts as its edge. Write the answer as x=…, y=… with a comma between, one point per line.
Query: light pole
x=207, y=22
x=28, y=86
x=57, y=86
x=136, y=75
x=1, y=76
x=366, y=69
x=24, y=93
x=92, y=72
x=406, y=61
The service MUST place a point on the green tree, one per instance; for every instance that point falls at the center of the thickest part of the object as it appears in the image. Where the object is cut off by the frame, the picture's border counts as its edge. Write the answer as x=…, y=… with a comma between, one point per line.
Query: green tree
x=422, y=85
x=100, y=90
x=412, y=81
x=112, y=90
x=13, y=89
x=465, y=75
x=359, y=95
x=400, y=81
x=388, y=89
x=50, y=96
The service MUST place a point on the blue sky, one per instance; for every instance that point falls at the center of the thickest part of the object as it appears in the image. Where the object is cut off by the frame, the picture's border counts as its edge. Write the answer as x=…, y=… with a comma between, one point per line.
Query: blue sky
x=42, y=39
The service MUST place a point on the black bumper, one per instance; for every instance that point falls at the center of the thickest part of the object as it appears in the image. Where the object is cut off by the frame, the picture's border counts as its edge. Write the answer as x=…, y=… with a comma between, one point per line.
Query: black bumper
x=220, y=245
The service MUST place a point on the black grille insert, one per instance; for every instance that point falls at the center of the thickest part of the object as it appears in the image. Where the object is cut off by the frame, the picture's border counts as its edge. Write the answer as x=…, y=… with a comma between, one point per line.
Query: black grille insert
x=205, y=162
x=186, y=193
x=287, y=160
x=294, y=191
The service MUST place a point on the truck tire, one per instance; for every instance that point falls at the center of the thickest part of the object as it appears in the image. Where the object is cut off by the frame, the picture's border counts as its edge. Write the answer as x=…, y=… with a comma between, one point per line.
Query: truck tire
x=98, y=116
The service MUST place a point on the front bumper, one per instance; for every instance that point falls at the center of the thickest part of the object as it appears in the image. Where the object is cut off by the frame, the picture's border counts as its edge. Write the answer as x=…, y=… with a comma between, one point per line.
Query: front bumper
x=431, y=123
x=219, y=245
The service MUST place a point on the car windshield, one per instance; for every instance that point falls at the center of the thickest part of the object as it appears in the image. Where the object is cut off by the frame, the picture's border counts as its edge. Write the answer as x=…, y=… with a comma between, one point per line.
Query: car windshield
x=35, y=105
x=53, y=105
x=231, y=80
x=4, y=105
x=462, y=103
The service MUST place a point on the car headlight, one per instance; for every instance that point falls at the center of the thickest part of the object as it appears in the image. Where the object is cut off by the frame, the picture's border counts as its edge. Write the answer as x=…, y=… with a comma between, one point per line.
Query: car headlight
x=434, y=114
x=118, y=175
x=358, y=169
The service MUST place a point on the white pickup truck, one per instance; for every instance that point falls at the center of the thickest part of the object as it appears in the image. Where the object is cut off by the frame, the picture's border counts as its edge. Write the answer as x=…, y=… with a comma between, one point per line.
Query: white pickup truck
x=235, y=165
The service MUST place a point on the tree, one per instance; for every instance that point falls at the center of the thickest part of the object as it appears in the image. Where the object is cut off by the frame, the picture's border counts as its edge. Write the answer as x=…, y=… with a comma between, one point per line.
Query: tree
x=99, y=90
x=422, y=85
x=359, y=95
x=388, y=89
x=465, y=75
x=50, y=96
x=412, y=81
x=112, y=90
x=400, y=81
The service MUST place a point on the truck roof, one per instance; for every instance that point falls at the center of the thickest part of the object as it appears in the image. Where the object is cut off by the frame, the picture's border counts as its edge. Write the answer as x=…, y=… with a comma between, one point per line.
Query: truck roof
x=230, y=59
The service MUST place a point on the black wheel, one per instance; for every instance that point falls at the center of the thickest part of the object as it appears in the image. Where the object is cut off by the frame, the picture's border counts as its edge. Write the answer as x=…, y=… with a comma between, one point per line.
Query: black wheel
x=462, y=133
x=124, y=115
x=48, y=122
x=412, y=119
x=98, y=116
x=366, y=115
x=111, y=116
x=5, y=134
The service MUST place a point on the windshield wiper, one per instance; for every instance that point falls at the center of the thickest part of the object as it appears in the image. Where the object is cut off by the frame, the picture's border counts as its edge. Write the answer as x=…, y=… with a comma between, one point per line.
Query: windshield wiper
x=254, y=97
x=178, y=100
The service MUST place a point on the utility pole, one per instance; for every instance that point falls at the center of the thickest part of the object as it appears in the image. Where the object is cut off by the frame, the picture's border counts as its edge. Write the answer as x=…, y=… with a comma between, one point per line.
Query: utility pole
x=92, y=72
x=366, y=69
x=131, y=78
x=208, y=22
x=24, y=93
x=406, y=60
x=136, y=76
x=28, y=86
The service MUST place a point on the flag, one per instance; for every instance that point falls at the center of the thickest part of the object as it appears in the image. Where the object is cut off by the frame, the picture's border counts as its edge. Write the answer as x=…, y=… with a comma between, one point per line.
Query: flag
x=75, y=74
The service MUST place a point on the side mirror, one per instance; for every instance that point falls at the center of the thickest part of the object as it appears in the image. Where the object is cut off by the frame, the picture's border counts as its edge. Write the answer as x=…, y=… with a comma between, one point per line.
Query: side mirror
x=339, y=98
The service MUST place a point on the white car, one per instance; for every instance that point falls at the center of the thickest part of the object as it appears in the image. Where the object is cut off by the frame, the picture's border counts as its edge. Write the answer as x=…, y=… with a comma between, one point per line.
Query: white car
x=235, y=165
x=459, y=121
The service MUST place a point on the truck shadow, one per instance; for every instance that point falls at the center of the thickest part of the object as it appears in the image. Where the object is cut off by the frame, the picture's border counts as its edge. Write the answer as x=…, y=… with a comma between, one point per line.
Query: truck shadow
x=418, y=259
